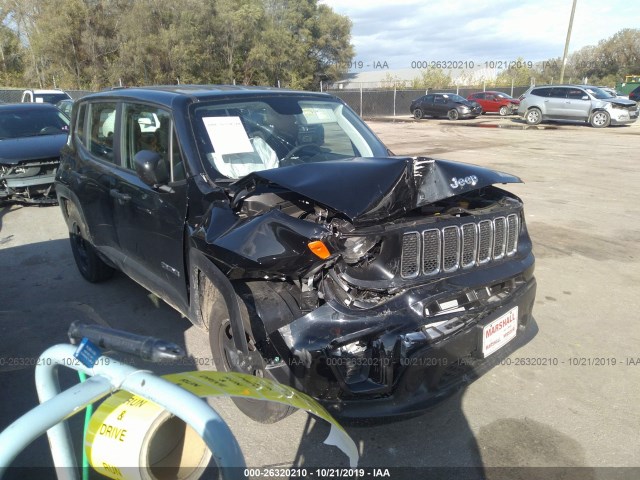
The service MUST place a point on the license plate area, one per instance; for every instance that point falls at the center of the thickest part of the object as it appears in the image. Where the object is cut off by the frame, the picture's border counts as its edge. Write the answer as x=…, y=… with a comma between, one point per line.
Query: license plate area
x=497, y=333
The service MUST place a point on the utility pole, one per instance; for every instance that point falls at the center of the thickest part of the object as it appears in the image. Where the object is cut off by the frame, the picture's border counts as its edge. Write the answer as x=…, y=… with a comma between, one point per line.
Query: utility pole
x=566, y=43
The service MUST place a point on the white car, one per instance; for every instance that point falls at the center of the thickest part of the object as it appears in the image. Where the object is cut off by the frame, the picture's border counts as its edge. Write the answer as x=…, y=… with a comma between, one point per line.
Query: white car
x=44, y=96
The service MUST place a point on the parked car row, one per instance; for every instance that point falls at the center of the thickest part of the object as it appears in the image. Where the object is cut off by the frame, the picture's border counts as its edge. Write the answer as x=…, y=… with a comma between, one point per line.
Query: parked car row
x=597, y=106
x=454, y=107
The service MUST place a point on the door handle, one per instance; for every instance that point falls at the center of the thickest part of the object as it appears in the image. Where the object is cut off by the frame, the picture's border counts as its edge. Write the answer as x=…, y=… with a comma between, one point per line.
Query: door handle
x=121, y=197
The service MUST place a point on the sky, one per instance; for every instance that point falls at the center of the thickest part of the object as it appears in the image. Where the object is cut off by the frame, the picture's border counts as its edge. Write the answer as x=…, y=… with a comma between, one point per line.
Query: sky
x=402, y=32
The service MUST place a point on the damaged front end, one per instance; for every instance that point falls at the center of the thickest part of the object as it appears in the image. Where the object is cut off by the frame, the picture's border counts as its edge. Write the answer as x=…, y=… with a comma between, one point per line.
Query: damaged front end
x=30, y=181
x=378, y=285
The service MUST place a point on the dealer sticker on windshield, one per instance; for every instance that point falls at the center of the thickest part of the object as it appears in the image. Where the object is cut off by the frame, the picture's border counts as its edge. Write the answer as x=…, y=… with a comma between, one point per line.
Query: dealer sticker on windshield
x=498, y=333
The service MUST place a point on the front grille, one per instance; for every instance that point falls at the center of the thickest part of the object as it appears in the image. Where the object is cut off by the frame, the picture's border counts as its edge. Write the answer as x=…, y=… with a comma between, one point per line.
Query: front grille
x=454, y=247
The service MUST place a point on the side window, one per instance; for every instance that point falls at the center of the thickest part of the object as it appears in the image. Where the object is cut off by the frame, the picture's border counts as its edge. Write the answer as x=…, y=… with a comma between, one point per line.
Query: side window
x=427, y=99
x=145, y=127
x=558, y=93
x=541, y=92
x=101, y=122
x=438, y=99
x=575, y=94
x=79, y=132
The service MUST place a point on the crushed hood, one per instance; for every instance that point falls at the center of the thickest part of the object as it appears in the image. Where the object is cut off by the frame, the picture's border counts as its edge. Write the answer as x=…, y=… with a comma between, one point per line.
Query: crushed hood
x=367, y=190
x=623, y=102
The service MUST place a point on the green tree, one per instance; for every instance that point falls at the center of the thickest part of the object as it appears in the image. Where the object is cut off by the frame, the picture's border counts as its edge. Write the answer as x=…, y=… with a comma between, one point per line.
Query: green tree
x=11, y=58
x=518, y=74
x=97, y=43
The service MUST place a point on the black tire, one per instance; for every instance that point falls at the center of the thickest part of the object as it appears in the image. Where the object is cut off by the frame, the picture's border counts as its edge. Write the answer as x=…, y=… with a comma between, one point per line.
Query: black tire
x=222, y=343
x=504, y=111
x=418, y=114
x=453, y=114
x=533, y=116
x=90, y=265
x=600, y=119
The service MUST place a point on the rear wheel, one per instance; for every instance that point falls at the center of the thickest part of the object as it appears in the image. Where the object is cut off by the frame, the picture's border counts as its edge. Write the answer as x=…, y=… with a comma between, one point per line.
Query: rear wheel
x=453, y=114
x=533, y=116
x=600, y=119
x=417, y=114
x=91, y=266
x=227, y=358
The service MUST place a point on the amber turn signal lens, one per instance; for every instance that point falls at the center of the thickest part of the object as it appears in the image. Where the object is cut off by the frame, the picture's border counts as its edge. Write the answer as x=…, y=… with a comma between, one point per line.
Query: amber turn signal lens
x=319, y=249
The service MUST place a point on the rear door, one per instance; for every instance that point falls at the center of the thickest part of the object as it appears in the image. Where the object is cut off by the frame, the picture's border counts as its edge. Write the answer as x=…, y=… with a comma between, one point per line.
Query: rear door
x=556, y=103
x=426, y=104
x=94, y=175
x=150, y=220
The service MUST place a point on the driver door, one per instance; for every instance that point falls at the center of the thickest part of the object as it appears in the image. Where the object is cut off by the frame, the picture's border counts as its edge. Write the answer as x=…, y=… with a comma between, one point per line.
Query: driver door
x=150, y=220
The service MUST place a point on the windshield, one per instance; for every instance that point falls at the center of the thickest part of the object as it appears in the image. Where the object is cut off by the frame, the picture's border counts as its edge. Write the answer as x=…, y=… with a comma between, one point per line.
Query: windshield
x=504, y=95
x=599, y=93
x=29, y=122
x=50, y=97
x=249, y=135
x=456, y=98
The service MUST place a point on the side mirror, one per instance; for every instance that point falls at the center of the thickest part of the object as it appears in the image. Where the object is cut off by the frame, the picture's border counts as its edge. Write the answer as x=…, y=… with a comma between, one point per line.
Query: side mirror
x=151, y=168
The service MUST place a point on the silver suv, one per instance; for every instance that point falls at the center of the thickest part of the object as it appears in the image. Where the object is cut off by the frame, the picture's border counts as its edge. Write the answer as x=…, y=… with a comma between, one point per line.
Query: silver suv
x=583, y=103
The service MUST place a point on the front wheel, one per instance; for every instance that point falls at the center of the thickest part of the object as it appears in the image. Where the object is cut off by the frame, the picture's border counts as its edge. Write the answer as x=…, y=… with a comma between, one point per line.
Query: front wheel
x=227, y=358
x=600, y=119
x=533, y=116
x=503, y=111
x=453, y=114
x=417, y=114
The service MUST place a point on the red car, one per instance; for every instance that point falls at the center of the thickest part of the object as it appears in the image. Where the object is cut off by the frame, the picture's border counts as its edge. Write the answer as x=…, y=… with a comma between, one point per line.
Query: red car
x=493, y=102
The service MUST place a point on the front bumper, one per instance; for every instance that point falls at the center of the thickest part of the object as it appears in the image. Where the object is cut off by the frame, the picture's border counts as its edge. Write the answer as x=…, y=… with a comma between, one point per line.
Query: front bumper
x=473, y=113
x=30, y=183
x=393, y=362
x=620, y=116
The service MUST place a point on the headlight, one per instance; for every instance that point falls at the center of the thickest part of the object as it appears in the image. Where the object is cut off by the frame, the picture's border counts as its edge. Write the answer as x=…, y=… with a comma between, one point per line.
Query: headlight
x=357, y=247
x=464, y=108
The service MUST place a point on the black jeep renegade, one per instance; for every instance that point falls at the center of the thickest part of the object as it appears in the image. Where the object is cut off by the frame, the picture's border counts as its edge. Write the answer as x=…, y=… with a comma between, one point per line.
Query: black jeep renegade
x=279, y=223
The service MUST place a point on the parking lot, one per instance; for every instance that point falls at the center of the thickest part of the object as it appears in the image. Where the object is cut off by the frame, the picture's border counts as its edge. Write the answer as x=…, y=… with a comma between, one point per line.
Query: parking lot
x=570, y=398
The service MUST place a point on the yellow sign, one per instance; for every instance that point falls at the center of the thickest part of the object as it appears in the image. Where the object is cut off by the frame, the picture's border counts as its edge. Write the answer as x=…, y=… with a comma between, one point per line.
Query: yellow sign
x=129, y=436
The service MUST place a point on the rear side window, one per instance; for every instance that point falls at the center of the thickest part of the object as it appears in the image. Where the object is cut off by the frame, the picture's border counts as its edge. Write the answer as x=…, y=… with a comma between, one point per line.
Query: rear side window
x=99, y=130
x=541, y=92
x=79, y=131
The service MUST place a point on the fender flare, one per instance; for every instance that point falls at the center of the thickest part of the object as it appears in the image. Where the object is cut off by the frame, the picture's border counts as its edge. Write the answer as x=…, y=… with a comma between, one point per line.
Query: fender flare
x=198, y=262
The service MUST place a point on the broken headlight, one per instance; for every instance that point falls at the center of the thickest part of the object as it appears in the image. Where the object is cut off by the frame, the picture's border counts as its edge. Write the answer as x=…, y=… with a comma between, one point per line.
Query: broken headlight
x=355, y=248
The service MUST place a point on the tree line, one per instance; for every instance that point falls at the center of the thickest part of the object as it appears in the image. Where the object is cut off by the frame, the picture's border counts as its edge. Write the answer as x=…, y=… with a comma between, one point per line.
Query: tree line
x=93, y=44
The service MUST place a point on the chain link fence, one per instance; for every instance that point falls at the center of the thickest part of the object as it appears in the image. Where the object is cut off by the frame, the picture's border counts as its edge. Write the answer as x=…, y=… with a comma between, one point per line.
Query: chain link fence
x=14, y=95
x=376, y=102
